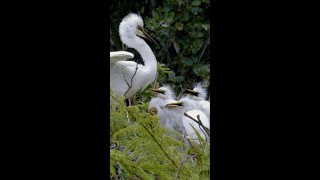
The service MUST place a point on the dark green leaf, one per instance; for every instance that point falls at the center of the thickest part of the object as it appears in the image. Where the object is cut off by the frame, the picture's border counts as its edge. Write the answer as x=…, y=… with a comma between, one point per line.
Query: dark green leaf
x=196, y=10
x=179, y=78
x=187, y=61
x=200, y=34
x=176, y=46
x=170, y=17
x=185, y=17
x=166, y=8
x=206, y=27
x=196, y=3
x=201, y=70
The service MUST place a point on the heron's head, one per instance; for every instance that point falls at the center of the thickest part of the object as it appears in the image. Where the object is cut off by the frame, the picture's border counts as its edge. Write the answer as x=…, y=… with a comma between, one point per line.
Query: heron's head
x=197, y=93
x=164, y=92
x=131, y=30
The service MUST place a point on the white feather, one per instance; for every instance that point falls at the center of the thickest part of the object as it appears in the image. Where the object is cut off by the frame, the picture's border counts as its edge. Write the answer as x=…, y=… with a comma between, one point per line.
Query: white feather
x=187, y=122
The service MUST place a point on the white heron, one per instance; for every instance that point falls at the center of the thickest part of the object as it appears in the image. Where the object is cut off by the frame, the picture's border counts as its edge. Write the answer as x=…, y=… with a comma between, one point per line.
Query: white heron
x=163, y=96
x=198, y=96
x=128, y=77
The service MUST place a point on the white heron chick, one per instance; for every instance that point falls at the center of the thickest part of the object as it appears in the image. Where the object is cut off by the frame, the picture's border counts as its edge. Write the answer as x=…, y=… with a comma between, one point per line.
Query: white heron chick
x=180, y=109
x=198, y=96
x=187, y=122
x=198, y=93
x=163, y=95
x=128, y=77
x=174, y=115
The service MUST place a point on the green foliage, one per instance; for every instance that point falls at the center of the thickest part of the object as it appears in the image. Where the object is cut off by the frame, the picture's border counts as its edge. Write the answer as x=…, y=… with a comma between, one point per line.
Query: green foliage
x=142, y=149
x=183, y=30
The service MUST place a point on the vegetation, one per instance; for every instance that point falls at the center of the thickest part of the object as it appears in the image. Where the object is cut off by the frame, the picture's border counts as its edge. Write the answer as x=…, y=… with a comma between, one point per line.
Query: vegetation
x=140, y=148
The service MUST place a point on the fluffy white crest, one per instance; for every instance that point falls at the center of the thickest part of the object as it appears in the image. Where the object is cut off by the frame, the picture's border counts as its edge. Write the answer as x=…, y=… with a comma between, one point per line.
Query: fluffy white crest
x=168, y=92
x=202, y=92
x=128, y=29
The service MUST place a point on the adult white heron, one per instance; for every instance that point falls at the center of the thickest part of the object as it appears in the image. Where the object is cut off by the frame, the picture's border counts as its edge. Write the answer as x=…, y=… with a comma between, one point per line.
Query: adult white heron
x=128, y=77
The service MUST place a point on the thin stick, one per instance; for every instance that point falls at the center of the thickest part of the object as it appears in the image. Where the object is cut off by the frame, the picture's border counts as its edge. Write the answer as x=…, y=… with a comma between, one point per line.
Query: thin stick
x=198, y=116
x=132, y=79
x=204, y=49
x=181, y=162
x=199, y=122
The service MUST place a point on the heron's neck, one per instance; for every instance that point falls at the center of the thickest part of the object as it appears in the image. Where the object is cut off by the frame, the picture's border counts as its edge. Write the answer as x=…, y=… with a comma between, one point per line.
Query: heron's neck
x=147, y=55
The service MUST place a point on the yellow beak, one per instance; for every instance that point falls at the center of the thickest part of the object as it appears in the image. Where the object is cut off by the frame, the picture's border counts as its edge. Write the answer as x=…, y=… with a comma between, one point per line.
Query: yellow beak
x=174, y=105
x=142, y=33
x=192, y=92
x=158, y=91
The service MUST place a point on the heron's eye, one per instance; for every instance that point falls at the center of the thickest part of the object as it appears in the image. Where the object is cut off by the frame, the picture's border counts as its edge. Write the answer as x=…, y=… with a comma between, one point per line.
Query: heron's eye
x=140, y=28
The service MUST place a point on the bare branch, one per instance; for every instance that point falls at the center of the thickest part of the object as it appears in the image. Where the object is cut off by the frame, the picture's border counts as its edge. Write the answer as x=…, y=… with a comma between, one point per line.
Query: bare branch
x=181, y=162
x=203, y=126
x=200, y=123
x=130, y=86
x=208, y=40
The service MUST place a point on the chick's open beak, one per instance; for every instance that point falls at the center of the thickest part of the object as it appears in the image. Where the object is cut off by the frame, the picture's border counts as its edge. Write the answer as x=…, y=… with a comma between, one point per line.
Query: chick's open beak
x=142, y=33
x=158, y=91
x=192, y=92
x=174, y=105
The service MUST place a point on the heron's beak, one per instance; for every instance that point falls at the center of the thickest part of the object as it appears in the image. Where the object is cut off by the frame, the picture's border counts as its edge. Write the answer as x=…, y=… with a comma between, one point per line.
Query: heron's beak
x=158, y=91
x=174, y=105
x=142, y=33
x=192, y=92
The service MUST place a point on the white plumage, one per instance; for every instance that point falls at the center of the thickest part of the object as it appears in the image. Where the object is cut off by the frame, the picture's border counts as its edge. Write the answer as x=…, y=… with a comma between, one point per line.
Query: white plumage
x=185, y=105
x=174, y=115
x=163, y=95
x=197, y=97
x=190, y=131
x=119, y=56
x=128, y=77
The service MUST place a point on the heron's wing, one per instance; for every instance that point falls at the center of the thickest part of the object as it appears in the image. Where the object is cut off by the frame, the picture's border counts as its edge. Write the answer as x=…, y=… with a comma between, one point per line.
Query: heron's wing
x=127, y=65
x=147, y=84
x=130, y=68
x=144, y=87
x=120, y=56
